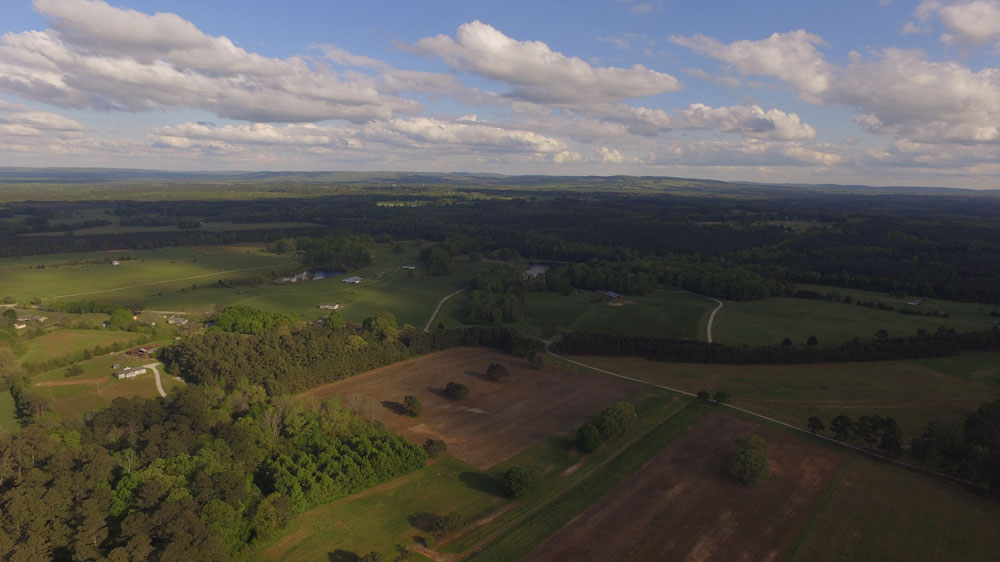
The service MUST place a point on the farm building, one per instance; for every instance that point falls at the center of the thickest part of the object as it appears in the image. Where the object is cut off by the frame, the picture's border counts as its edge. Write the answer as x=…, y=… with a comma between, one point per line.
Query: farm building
x=177, y=321
x=354, y=280
x=115, y=262
x=329, y=306
x=32, y=318
x=147, y=351
x=408, y=267
x=612, y=294
x=130, y=372
x=20, y=326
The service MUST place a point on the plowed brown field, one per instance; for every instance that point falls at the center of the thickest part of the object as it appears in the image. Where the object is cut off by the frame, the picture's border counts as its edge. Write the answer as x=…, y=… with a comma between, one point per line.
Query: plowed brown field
x=684, y=504
x=496, y=421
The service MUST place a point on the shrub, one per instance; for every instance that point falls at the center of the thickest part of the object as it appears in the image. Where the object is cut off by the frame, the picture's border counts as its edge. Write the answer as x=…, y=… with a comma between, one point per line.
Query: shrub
x=519, y=480
x=435, y=448
x=721, y=396
x=587, y=438
x=497, y=372
x=750, y=465
x=617, y=418
x=411, y=406
x=456, y=391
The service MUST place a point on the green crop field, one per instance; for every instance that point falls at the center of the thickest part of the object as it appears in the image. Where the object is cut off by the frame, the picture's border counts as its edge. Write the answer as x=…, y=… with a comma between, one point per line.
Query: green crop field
x=913, y=392
x=769, y=321
x=661, y=313
x=874, y=511
x=144, y=273
x=64, y=342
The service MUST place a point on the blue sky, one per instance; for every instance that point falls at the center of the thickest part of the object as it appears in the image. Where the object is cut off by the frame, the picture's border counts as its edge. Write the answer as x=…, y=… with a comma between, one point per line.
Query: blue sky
x=877, y=92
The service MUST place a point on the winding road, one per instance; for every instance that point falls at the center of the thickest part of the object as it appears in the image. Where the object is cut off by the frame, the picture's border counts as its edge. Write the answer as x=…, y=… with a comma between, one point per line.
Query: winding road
x=156, y=373
x=430, y=320
x=711, y=319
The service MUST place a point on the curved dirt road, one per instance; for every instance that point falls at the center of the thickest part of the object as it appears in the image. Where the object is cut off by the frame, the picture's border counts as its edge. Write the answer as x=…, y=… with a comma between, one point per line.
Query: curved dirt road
x=434, y=314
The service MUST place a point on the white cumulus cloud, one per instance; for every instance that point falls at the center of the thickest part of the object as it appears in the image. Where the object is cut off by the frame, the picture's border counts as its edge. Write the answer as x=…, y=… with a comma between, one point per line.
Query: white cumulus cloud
x=535, y=72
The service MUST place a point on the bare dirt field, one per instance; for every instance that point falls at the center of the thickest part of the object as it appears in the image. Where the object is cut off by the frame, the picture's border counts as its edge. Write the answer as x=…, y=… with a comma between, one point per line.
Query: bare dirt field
x=684, y=504
x=496, y=421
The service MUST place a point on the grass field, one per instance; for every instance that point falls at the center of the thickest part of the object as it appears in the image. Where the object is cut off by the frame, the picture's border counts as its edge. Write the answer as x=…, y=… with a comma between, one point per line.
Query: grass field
x=913, y=392
x=878, y=512
x=145, y=273
x=769, y=321
x=661, y=313
x=64, y=342
x=382, y=517
x=386, y=287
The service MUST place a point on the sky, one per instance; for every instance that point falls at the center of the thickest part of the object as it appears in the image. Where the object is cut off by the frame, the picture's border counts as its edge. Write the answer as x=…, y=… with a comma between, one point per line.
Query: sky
x=877, y=92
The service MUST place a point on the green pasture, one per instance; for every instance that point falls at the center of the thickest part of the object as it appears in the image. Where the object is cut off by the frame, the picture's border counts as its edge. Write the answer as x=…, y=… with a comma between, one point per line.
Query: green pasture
x=141, y=273
x=913, y=392
x=66, y=342
x=769, y=321
x=662, y=313
x=875, y=511
x=386, y=287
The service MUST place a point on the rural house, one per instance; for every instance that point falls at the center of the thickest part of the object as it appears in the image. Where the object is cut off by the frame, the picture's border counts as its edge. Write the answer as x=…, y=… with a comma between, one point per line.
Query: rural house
x=354, y=280
x=130, y=372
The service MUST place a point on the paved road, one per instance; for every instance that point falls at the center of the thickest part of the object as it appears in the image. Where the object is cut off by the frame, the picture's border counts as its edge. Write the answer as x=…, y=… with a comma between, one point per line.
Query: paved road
x=156, y=373
x=438, y=309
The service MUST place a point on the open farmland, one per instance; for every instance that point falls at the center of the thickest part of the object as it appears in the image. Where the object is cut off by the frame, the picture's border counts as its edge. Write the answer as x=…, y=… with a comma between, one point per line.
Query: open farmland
x=496, y=421
x=878, y=512
x=669, y=314
x=914, y=392
x=66, y=342
x=684, y=504
x=141, y=273
x=770, y=321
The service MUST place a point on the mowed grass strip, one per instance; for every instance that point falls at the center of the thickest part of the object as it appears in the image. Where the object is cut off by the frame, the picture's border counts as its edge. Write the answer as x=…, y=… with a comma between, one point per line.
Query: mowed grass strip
x=65, y=342
x=880, y=512
x=913, y=392
x=535, y=528
x=8, y=419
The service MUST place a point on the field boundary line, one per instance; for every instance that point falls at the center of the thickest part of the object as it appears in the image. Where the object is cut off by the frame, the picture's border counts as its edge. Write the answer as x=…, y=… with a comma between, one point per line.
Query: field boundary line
x=168, y=281
x=434, y=314
x=867, y=452
x=818, y=510
x=580, y=480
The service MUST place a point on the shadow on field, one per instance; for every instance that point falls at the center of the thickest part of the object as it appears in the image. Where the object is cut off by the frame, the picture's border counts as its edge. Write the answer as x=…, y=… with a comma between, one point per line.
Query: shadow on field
x=422, y=521
x=394, y=407
x=343, y=556
x=482, y=482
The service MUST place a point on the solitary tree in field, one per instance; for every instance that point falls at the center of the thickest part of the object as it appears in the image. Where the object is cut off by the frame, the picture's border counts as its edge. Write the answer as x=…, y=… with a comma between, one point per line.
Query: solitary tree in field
x=497, y=372
x=812, y=341
x=519, y=480
x=456, y=391
x=787, y=342
x=704, y=396
x=617, y=418
x=750, y=464
x=411, y=406
x=588, y=438
x=815, y=424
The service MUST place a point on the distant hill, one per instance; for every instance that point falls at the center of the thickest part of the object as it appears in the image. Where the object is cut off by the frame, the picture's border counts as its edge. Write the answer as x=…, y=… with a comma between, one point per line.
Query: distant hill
x=21, y=175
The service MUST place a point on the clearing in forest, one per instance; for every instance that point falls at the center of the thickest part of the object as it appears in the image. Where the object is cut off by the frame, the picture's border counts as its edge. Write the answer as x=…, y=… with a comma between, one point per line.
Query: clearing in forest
x=685, y=505
x=496, y=420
